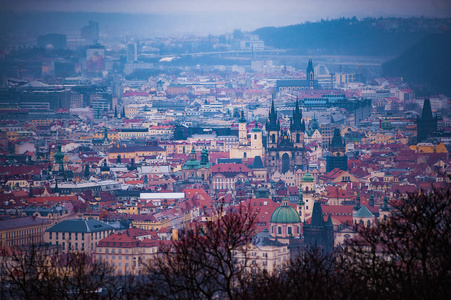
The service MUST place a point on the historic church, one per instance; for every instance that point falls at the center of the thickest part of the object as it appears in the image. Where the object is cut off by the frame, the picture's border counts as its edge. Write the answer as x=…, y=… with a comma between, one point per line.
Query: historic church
x=285, y=148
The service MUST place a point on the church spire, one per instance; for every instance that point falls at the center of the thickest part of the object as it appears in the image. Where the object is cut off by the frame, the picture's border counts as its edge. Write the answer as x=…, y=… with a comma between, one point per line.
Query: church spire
x=296, y=123
x=272, y=124
x=426, y=113
x=337, y=141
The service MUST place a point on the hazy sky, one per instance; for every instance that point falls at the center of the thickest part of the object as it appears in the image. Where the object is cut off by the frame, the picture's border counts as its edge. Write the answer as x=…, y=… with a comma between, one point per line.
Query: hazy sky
x=244, y=14
x=308, y=8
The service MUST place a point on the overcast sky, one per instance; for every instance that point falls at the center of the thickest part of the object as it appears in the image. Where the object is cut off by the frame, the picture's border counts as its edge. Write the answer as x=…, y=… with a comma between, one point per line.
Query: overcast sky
x=245, y=14
x=308, y=8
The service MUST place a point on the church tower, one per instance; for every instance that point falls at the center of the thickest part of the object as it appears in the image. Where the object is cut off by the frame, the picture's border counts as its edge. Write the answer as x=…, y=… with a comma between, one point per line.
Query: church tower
x=242, y=130
x=337, y=153
x=310, y=74
x=273, y=128
x=427, y=123
x=297, y=130
x=272, y=144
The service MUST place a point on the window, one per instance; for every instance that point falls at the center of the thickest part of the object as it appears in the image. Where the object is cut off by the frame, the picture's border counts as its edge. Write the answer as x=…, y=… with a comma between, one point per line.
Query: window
x=290, y=230
x=279, y=230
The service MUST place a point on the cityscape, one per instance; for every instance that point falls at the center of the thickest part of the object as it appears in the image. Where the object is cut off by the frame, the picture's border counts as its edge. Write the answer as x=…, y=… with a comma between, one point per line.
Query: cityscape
x=150, y=155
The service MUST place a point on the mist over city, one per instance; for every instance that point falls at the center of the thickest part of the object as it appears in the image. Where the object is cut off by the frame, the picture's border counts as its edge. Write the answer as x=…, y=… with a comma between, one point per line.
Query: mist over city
x=225, y=149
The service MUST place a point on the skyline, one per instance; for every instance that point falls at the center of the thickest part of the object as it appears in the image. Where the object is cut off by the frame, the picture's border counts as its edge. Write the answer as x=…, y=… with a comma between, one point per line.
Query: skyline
x=210, y=17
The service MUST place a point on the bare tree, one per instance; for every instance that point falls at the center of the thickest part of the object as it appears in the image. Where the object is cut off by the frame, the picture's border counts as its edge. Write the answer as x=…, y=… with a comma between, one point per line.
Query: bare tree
x=40, y=272
x=201, y=264
x=409, y=254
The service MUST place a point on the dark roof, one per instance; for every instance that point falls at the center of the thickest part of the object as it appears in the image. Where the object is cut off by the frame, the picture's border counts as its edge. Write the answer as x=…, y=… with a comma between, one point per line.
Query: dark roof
x=80, y=225
x=21, y=222
x=257, y=163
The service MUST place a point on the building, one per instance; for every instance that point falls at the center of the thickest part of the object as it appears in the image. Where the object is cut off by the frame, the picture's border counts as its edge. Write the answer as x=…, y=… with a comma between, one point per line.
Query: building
x=90, y=32
x=246, y=149
x=337, y=153
x=56, y=41
x=132, y=52
x=77, y=235
x=285, y=222
x=285, y=148
x=193, y=169
x=295, y=85
x=319, y=233
x=427, y=123
x=127, y=251
x=23, y=231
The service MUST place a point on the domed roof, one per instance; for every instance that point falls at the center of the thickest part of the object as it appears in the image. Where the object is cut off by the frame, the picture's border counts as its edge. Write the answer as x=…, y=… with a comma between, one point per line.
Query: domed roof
x=285, y=214
x=256, y=129
x=307, y=177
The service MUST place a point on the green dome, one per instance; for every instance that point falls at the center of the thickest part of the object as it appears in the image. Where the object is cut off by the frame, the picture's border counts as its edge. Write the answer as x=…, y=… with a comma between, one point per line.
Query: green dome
x=307, y=177
x=285, y=214
x=256, y=129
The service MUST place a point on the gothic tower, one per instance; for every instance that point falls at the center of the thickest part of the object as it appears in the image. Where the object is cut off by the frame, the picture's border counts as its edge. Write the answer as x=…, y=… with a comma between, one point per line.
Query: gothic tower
x=297, y=130
x=337, y=153
x=426, y=124
x=310, y=74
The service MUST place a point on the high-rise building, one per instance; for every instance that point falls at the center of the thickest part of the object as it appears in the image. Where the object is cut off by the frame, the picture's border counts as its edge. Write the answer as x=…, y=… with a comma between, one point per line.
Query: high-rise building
x=91, y=32
x=132, y=52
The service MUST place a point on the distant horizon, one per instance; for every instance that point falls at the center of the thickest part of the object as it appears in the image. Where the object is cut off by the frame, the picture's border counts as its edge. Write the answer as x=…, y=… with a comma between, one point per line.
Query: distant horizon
x=218, y=17
x=169, y=24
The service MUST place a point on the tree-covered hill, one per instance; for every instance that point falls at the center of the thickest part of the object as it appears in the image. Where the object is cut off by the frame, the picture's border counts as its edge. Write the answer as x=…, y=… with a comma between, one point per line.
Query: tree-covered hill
x=350, y=36
x=426, y=65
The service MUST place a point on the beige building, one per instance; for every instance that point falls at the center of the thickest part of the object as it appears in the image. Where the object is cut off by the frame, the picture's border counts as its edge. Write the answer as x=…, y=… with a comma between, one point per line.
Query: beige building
x=77, y=235
x=265, y=254
x=23, y=231
x=128, y=251
x=246, y=149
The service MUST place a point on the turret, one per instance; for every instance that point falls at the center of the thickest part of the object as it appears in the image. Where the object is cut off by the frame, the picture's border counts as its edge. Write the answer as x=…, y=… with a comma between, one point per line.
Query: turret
x=204, y=156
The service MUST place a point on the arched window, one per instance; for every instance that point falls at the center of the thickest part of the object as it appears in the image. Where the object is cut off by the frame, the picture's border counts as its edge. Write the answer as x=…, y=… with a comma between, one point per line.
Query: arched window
x=273, y=138
x=244, y=154
x=255, y=136
x=298, y=138
x=368, y=223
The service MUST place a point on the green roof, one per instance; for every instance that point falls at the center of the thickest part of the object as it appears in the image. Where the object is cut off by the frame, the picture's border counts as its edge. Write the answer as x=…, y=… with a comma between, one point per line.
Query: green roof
x=308, y=177
x=285, y=214
x=363, y=212
x=191, y=164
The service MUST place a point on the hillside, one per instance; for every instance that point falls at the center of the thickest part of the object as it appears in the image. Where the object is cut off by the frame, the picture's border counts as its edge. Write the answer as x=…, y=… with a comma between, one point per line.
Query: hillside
x=374, y=37
x=426, y=65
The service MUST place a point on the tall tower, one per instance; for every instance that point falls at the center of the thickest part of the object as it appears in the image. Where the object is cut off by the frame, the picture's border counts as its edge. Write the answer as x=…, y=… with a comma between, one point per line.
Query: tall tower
x=337, y=153
x=256, y=138
x=297, y=131
x=310, y=74
x=242, y=130
x=273, y=128
x=272, y=145
x=427, y=123
x=59, y=156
